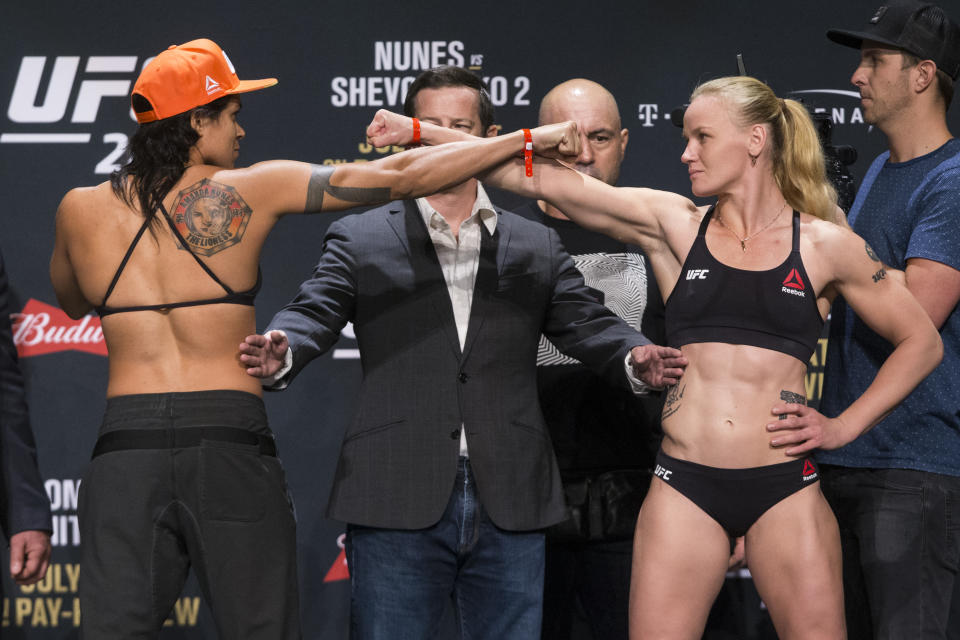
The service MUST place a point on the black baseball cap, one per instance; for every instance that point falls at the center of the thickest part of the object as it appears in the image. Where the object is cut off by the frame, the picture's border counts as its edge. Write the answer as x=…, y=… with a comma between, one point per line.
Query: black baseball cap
x=924, y=30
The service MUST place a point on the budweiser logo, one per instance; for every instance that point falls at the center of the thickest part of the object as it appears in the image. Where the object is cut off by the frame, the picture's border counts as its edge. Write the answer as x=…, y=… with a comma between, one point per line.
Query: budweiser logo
x=41, y=328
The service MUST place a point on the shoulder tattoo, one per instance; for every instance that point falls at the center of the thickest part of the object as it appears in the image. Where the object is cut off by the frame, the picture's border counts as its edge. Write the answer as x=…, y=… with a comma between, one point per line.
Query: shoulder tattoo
x=871, y=252
x=320, y=184
x=210, y=216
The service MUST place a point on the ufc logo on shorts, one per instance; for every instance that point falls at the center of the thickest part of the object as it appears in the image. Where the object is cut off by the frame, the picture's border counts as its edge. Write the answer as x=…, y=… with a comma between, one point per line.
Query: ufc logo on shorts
x=697, y=274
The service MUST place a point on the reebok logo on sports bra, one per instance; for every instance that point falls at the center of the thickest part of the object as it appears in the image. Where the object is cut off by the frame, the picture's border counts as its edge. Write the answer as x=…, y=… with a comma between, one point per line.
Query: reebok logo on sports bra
x=793, y=284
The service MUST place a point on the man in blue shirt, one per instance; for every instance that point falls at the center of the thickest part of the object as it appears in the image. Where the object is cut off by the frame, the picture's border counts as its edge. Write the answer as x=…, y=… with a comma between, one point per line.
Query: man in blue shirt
x=896, y=489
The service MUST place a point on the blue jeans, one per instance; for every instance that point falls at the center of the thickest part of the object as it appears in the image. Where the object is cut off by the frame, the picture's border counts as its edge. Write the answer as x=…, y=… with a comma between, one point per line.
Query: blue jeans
x=401, y=580
x=900, y=532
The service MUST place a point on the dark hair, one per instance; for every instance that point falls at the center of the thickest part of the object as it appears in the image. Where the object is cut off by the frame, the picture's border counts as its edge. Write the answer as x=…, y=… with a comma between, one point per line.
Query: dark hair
x=944, y=81
x=157, y=155
x=450, y=76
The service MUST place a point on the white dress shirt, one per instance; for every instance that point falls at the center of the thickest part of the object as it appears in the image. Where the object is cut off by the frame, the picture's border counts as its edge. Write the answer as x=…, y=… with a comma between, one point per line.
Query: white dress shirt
x=459, y=256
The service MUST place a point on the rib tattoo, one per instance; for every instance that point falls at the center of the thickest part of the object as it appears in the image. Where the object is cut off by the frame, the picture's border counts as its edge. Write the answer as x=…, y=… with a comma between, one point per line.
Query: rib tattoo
x=672, y=403
x=790, y=396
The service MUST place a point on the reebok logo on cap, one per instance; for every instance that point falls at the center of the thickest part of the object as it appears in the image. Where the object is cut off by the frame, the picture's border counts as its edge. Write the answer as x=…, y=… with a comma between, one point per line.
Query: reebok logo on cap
x=212, y=86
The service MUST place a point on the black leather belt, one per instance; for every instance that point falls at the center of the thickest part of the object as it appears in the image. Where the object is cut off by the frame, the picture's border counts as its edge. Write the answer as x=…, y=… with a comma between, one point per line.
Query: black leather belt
x=125, y=439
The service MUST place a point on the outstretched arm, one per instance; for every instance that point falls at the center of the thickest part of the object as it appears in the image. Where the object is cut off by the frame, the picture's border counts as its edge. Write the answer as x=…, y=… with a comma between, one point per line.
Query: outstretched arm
x=892, y=312
x=292, y=187
x=636, y=216
x=311, y=323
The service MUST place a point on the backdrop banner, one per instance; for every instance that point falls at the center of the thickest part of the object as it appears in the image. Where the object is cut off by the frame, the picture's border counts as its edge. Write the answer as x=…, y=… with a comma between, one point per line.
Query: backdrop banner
x=66, y=71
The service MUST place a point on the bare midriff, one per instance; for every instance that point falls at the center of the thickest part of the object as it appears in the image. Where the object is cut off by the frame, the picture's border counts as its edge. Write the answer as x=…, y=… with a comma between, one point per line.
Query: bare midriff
x=717, y=414
x=184, y=349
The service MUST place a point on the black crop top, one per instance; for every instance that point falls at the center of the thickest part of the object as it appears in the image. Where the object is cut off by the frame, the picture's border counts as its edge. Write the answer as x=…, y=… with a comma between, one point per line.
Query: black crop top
x=232, y=297
x=774, y=309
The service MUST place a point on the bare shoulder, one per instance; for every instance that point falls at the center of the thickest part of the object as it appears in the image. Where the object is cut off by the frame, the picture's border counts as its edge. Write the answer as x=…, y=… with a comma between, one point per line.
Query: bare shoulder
x=838, y=246
x=667, y=202
x=824, y=233
x=669, y=211
x=82, y=202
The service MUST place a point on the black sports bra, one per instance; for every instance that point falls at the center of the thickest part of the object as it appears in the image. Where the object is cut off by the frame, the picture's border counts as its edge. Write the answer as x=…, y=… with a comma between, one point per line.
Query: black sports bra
x=232, y=297
x=773, y=309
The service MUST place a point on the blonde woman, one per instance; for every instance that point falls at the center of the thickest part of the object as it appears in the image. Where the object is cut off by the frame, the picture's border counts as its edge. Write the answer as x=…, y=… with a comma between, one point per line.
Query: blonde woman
x=747, y=283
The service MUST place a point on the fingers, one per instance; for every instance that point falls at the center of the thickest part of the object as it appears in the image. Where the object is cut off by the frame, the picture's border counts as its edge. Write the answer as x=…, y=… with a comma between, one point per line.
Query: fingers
x=255, y=340
x=16, y=556
x=29, y=556
x=35, y=568
x=785, y=408
x=278, y=339
x=670, y=377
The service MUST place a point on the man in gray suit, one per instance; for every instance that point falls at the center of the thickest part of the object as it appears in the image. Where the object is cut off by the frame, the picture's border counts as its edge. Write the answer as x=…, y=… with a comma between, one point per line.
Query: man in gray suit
x=446, y=475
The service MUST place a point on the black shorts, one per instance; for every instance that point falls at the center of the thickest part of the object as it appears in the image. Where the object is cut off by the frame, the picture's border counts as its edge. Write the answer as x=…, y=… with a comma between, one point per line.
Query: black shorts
x=736, y=498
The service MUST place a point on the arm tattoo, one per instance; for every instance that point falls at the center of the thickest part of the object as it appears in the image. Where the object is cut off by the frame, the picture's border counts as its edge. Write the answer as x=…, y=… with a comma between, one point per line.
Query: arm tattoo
x=790, y=396
x=210, y=217
x=672, y=403
x=871, y=252
x=880, y=275
x=320, y=184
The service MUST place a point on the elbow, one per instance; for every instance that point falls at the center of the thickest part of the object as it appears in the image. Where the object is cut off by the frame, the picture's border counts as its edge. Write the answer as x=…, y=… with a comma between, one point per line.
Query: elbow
x=936, y=350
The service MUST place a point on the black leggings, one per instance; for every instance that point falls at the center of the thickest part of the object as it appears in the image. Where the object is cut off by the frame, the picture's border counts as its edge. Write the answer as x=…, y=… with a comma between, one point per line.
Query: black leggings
x=736, y=498
x=184, y=480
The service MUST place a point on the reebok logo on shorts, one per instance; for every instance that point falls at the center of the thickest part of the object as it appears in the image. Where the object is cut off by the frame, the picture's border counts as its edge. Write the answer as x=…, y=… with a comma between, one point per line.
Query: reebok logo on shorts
x=809, y=471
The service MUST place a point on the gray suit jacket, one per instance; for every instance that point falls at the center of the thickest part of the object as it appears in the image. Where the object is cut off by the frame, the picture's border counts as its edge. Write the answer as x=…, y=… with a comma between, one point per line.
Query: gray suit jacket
x=399, y=456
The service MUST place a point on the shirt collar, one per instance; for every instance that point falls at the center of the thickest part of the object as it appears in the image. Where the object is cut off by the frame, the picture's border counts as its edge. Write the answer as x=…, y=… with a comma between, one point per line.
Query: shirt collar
x=481, y=206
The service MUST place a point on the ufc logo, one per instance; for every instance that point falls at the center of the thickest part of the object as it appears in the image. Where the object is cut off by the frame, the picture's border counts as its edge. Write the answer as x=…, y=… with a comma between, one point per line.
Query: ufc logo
x=56, y=97
x=663, y=473
x=697, y=274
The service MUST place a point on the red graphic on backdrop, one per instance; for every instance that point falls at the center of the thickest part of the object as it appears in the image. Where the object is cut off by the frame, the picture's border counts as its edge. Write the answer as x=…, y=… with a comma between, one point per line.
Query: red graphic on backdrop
x=339, y=570
x=41, y=328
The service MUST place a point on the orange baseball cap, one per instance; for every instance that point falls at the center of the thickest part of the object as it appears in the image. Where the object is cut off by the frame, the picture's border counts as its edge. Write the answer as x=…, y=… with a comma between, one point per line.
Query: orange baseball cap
x=187, y=76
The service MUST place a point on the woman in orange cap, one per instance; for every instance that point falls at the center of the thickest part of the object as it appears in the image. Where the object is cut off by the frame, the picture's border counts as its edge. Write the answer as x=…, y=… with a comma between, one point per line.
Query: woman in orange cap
x=185, y=472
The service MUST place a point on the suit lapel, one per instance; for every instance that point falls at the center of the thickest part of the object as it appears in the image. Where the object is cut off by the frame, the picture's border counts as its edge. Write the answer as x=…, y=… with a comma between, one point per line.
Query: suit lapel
x=493, y=249
x=412, y=232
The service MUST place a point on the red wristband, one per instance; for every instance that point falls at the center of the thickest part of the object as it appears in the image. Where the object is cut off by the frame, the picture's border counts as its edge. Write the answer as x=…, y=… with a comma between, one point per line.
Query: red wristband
x=528, y=152
x=416, y=132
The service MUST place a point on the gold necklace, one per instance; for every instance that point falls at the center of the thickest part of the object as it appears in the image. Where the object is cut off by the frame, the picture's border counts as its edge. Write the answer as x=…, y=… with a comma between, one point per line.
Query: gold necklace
x=743, y=241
